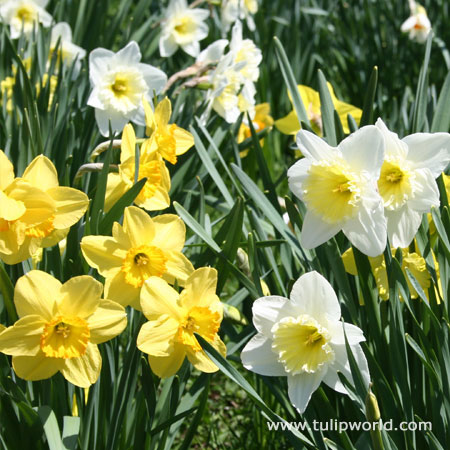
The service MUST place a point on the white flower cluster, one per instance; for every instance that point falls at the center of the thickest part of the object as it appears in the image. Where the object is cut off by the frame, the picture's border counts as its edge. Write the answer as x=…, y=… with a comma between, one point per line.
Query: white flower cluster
x=232, y=90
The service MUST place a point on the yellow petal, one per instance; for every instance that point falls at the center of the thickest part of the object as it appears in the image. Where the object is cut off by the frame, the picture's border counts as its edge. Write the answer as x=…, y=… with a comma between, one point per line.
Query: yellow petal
x=71, y=204
x=288, y=124
x=6, y=171
x=149, y=118
x=170, y=232
x=115, y=188
x=163, y=112
x=23, y=338
x=349, y=262
x=159, y=201
x=184, y=140
x=118, y=290
x=54, y=237
x=128, y=146
x=107, y=322
x=10, y=209
x=120, y=236
x=178, y=267
x=39, y=205
x=34, y=368
x=156, y=337
x=310, y=99
x=41, y=173
x=103, y=253
x=2, y=328
x=167, y=366
x=262, y=112
x=200, y=288
x=36, y=293
x=80, y=297
x=138, y=225
x=16, y=253
x=201, y=361
x=83, y=371
x=158, y=298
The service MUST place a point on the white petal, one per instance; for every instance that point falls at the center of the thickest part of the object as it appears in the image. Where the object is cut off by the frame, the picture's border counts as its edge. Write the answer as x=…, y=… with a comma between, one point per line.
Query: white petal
x=63, y=30
x=402, y=226
x=430, y=151
x=394, y=146
x=118, y=121
x=342, y=365
x=315, y=231
x=266, y=311
x=364, y=150
x=368, y=231
x=312, y=294
x=130, y=55
x=258, y=357
x=167, y=46
x=213, y=52
x=156, y=79
x=94, y=99
x=354, y=334
x=98, y=64
x=314, y=147
x=297, y=175
x=192, y=48
x=301, y=387
x=426, y=192
x=408, y=24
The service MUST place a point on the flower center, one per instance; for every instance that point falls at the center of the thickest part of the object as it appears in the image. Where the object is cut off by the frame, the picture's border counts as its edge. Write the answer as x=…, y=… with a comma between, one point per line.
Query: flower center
x=332, y=192
x=142, y=263
x=42, y=230
x=302, y=344
x=120, y=85
x=394, y=184
x=65, y=337
x=200, y=320
x=26, y=14
x=185, y=26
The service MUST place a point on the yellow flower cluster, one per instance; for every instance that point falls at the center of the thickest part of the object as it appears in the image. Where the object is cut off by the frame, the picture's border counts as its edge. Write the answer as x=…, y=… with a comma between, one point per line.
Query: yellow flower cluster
x=60, y=325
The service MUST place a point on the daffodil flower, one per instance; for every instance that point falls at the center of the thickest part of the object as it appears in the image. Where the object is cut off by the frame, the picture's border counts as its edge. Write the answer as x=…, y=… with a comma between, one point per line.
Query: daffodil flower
x=24, y=14
x=182, y=27
x=143, y=247
x=169, y=140
x=67, y=50
x=154, y=196
x=36, y=211
x=59, y=328
x=173, y=318
x=303, y=338
x=338, y=186
x=411, y=261
x=119, y=83
x=407, y=180
x=311, y=99
x=417, y=25
x=233, y=10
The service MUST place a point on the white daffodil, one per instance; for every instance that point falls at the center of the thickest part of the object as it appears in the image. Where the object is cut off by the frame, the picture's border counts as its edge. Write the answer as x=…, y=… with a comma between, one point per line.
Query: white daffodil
x=407, y=180
x=233, y=10
x=338, y=186
x=213, y=53
x=24, y=14
x=67, y=49
x=417, y=25
x=120, y=82
x=182, y=27
x=303, y=338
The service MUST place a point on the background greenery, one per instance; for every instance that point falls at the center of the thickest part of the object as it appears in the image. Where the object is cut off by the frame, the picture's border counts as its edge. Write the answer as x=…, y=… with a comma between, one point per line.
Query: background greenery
x=230, y=203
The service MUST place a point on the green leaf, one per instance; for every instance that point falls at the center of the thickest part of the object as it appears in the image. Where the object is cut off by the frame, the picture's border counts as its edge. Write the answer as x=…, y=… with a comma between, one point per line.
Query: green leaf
x=51, y=428
x=441, y=118
x=369, y=98
x=327, y=110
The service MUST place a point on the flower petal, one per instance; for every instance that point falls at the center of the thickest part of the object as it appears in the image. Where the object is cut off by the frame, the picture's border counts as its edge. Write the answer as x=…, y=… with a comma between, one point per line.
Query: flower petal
x=155, y=79
x=354, y=334
x=266, y=310
x=71, y=204
x=297, y=174
x=170, y=232
x=258, y=357
x=38, y=367
x=41, y=173
x=157, y=337
x=312, y=294
x=80, y=297
x=426, y=192
x=395, y=148
x=288, y=124
x=139, y=227
x=118, y=290
x=107, y=322
x=23, y=338
x=316, y=231
x=167, y=366
x=103, y=253
x=200, y=289
x=85, y=370
x=36, y=294
x=402, y=226
x=314, y=147
x=184, y=140
x=158, y=298
x=6, y=171
x=301, y=387
x=115, y=188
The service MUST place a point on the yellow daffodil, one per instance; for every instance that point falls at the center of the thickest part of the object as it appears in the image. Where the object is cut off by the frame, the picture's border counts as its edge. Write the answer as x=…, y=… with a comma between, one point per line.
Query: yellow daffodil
x=169, y=140
x=411, y=261
x=59, y=328
x=262, y=120
x=143, y=247
x=51, y=210
x=154, y=195
x=311, y=99
x=173, y=318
